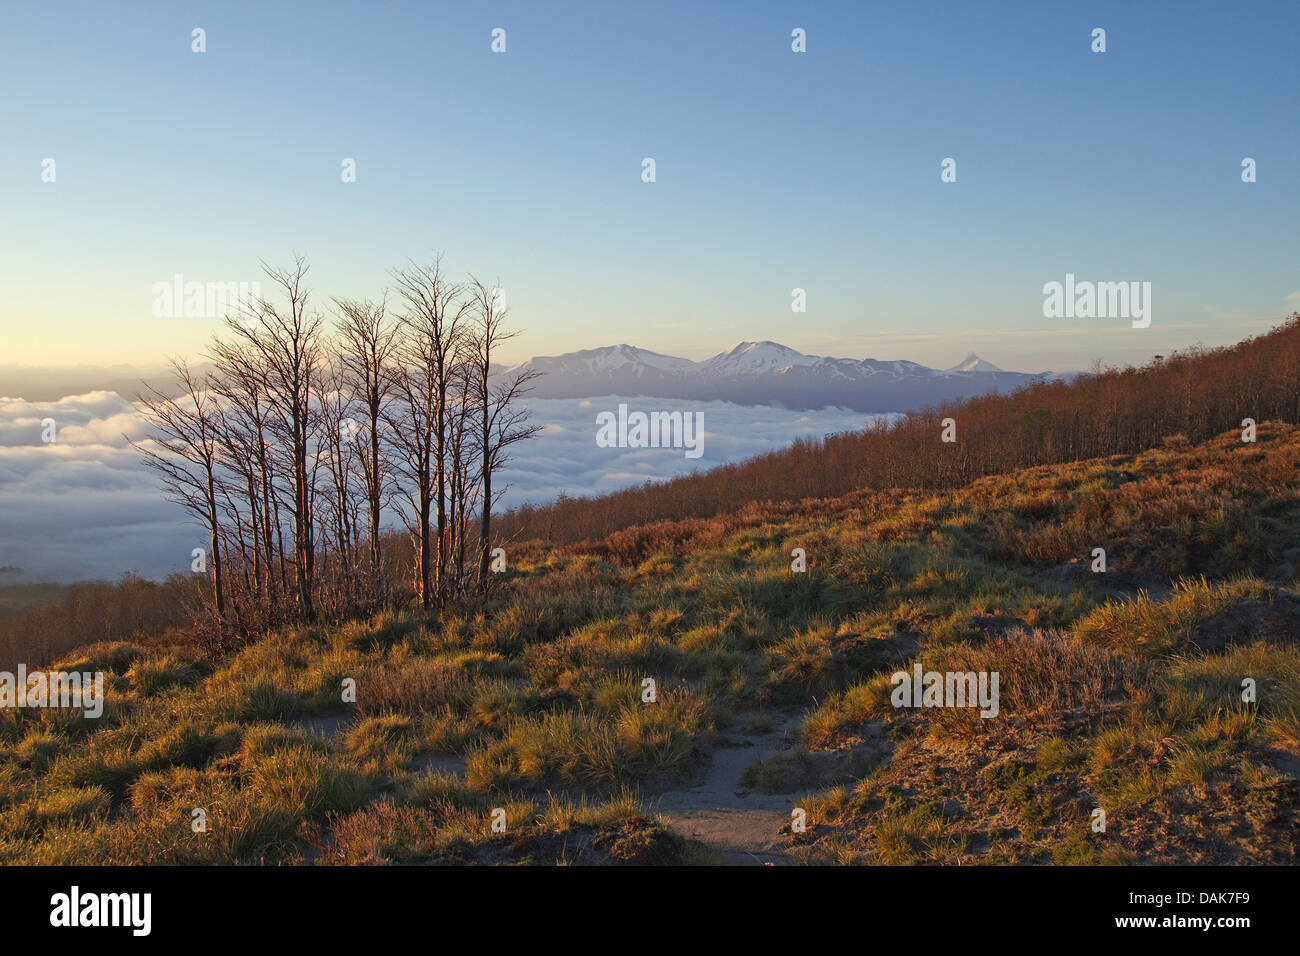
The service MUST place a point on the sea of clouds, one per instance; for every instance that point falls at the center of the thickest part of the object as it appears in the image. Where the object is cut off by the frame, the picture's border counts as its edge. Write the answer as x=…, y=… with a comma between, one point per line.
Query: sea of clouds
x=85, y=507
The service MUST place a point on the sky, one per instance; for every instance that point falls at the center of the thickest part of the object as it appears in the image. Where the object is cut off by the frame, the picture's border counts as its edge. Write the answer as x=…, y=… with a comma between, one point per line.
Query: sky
x=774, y=170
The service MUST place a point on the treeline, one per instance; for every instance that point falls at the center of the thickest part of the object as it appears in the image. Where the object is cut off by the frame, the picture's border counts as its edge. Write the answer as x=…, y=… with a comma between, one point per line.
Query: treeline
x=306, y=433
x=177, y=609
x=94, y=611
x=1196, y=393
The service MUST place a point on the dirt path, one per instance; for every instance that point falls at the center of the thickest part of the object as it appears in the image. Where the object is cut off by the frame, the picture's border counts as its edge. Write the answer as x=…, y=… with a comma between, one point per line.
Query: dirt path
x=741, y=826
x=438, y=763
x=324, y=726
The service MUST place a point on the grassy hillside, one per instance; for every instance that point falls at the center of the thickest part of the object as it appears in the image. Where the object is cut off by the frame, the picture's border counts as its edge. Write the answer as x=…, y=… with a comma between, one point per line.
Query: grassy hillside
x=1119, y=690
x=40, y=622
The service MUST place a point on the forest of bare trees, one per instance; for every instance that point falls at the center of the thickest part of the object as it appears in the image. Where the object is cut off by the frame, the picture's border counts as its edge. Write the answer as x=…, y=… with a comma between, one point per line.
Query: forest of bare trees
x=309, y=429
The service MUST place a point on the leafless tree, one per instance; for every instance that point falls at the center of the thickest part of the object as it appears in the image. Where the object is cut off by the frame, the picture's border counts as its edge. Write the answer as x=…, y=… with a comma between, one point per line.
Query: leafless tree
x=463, y=487
x=433, y=322
x=321, y=436
x=185, y=454
x=238, y=378
x=368, y=344
x=502, y=421
x=339, y=448
x=287, y=339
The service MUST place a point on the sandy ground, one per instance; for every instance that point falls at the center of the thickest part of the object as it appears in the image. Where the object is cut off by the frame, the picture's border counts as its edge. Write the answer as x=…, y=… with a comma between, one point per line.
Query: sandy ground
x=743, y=827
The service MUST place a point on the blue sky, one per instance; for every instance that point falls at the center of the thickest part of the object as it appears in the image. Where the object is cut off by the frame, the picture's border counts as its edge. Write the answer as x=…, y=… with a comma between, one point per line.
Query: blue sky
x=775, y=170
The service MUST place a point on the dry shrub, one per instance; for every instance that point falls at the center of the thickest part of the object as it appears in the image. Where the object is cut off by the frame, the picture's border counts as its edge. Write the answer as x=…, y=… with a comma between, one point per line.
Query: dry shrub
x=1048, y=681
x=416, y=685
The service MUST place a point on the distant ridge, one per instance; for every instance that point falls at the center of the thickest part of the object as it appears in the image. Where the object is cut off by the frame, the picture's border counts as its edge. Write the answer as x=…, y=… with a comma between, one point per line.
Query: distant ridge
x=768, y=373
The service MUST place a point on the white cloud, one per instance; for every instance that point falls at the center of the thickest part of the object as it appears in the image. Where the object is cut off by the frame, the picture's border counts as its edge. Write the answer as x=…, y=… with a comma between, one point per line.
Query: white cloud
x=85, y=507
x=567, y=459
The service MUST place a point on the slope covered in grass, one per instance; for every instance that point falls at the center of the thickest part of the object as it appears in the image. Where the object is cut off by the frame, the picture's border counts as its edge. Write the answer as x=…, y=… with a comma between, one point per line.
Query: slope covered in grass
x=1119, y=691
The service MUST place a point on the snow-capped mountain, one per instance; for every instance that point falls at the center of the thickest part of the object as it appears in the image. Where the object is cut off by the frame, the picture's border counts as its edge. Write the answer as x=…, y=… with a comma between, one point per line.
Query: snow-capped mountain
x=755, y=357
x=973, y=363
x=613, y=360
x=767, y=373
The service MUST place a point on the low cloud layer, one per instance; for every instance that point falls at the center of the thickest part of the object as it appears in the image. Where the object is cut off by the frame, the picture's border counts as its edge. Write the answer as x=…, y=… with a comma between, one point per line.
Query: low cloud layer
x=85, y=507
x=565, y=457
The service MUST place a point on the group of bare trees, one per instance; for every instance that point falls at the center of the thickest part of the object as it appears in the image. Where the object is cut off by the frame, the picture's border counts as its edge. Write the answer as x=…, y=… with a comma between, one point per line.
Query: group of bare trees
x=305, y=437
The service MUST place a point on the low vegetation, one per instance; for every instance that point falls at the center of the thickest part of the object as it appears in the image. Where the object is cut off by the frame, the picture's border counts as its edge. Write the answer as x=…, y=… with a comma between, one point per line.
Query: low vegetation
x=1120, y=691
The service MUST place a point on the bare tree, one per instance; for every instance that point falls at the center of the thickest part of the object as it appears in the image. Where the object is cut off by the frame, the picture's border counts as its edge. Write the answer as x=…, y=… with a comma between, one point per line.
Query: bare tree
x=433, y=323
x=185, y=455
x=411, y=421
x=339, y=434
x=287, y=340
x=368, y=344
x=502, y=421
x=463, y=474
x=294, y=435
x=239, y=379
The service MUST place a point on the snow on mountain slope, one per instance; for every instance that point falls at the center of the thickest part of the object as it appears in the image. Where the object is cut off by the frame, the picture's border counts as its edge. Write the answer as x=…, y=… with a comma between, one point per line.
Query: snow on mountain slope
x=973, y=363
x=754, y=357
x=766, y=373
x=611, y=359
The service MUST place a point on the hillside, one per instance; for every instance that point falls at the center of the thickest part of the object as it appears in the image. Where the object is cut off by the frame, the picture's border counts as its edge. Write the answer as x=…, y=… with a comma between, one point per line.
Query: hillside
x=1190, y=395
x=1119, y=690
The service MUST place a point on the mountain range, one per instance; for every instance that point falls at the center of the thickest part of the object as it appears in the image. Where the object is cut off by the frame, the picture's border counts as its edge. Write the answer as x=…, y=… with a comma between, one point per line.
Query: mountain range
x=767, y=373
x=752, y=373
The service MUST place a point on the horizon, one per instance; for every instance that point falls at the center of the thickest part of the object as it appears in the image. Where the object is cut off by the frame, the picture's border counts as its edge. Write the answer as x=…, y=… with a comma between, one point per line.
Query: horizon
x=164, y=365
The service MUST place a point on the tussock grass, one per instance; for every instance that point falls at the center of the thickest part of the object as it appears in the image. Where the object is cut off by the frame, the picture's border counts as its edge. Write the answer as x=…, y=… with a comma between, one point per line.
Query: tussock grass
x=383, y=745
x=1150, y=626
x=1119, y=691
x=575, y=748
x=152, y=675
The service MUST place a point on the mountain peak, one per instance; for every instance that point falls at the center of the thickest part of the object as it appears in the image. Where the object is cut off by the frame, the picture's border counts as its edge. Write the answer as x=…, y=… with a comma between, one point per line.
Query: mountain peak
x=973, y=363
x=758, y=356
x=764, y=345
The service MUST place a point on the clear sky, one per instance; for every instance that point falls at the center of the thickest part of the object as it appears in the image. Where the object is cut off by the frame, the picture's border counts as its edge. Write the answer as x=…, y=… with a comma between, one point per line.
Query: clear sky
x=775, y=169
